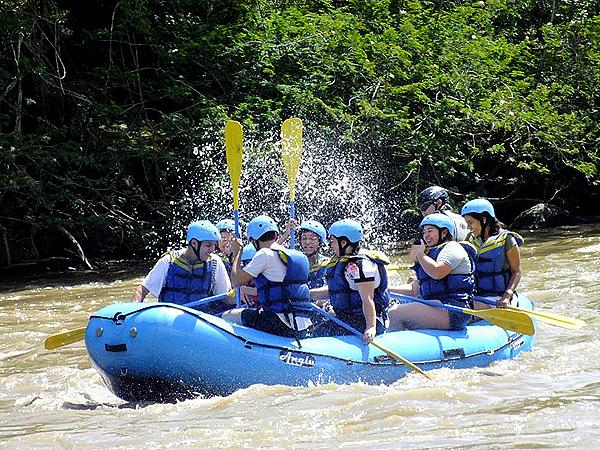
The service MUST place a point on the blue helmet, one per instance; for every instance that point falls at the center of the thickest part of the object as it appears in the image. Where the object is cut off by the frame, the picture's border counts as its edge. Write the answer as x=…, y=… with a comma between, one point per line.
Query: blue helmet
x=248, y=253
x=347, y=228
x=261, y=225
x=202, y=230
x=226, y=225
x=440, y=220
x=479, y=205
x=315, y=227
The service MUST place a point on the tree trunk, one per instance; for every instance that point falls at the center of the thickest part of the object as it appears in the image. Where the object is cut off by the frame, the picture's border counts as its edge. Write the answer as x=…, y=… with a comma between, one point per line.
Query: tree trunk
x=77, y=247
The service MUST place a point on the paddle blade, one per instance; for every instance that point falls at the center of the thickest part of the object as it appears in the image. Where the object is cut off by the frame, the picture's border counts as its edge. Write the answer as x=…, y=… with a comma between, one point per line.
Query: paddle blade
x=397, y=357
x=552, y=318
x=65, y=338
x=233, y=150
x=505, y=318
x=291, y=150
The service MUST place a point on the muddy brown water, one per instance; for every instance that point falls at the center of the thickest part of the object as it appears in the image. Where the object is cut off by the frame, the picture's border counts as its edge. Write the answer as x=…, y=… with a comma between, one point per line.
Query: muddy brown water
x=548, y=398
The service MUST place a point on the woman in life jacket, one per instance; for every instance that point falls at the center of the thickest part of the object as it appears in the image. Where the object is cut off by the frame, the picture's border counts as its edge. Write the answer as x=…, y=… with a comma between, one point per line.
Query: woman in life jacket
x=498, y=261
x=444, y=271
x=356, y=283
x=312, y=236
x=226, y=228
x=280, y=276
x=189, y=274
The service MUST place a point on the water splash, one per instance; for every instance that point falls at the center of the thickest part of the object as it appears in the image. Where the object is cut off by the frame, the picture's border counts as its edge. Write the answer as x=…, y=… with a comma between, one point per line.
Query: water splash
x=336, y=180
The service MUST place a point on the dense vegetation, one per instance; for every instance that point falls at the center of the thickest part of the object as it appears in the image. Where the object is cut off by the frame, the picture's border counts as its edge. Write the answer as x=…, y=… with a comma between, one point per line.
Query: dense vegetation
x=104, y=104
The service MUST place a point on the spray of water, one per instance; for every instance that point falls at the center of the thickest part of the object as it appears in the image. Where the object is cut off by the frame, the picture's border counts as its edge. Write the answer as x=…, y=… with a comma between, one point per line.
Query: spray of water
x=336, y=180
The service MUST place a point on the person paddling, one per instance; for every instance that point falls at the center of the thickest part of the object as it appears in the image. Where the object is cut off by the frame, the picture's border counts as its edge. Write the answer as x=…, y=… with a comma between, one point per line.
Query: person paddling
x=444, y=272
x=280, y=276
x=356, y=283
x=189, y=274
x=498, y=261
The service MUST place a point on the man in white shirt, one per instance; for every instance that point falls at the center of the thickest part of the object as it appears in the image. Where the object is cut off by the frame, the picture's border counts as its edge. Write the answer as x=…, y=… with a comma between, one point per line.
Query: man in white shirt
x=190, y=274
x=280, y=276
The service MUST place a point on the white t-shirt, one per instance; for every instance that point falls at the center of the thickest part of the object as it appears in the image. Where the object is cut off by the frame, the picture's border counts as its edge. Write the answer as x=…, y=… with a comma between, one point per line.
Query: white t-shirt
x=460, y=224
x=155, y=279
x=362, y=271
x=454, y=255
x=267, y=262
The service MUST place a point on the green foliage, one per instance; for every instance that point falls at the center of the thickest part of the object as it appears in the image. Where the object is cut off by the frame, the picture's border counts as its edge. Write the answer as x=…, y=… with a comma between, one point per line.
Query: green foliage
x=102, y=103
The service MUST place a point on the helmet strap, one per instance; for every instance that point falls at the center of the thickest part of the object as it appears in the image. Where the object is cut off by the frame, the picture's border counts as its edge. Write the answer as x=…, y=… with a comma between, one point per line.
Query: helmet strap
x=196, y=250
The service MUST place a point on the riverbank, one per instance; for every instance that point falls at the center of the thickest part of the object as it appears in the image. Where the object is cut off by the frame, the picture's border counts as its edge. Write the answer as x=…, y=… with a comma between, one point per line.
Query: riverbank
x=66, y=272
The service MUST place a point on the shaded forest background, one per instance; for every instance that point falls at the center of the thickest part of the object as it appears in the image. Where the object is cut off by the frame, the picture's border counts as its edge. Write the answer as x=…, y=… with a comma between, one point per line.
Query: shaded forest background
x=107, y=106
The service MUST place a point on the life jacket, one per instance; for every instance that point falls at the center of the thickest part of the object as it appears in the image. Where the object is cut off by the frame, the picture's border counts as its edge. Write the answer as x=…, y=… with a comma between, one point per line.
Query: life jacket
x=282, y=297
x=492, y=272
x=451, y=288
x=226, y=262
x=317, y=273
x=185, y=284
x=345, y=300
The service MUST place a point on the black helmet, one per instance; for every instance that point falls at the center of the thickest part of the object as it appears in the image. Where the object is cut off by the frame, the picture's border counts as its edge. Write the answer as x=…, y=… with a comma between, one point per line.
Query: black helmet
x=431, y=194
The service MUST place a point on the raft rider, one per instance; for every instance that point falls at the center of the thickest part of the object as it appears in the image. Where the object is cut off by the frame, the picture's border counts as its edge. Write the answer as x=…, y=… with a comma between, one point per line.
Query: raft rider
x=189, y=274
x=444, y=271
x=226, y=228
x=280, y=276
x=356, y=283
x=498, y=261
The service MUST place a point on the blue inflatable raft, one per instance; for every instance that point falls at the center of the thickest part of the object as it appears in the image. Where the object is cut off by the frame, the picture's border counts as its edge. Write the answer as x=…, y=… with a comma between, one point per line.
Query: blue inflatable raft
x=165, y=352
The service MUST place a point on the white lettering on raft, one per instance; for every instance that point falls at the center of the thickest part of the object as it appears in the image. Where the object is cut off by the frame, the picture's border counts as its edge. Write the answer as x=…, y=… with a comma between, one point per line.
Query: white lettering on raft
x=296, y=359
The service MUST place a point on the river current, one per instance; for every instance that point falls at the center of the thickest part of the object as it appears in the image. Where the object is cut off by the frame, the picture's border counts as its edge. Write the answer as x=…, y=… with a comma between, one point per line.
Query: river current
x=547, y=398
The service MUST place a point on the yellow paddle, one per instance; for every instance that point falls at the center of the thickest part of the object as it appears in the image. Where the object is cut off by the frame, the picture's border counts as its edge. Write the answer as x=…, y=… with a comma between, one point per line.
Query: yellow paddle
x=398, y=267
x=507, y=319
x=78, y=334
x=65, y=338
x=233, y=150
x=549, y=318
x=291, y=154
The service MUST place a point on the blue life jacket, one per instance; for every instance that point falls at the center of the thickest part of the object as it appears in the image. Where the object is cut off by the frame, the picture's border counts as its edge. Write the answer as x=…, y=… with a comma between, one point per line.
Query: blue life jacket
x=317, y=273
x=226, y=262
x=185, y=284
x=281, y=297
x=492, y=272
x=451, y=288
x=345, y=300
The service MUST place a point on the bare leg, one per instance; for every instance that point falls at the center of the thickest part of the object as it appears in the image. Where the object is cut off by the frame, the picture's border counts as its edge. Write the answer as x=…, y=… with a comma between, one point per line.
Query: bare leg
x=233, y=316
x=417, y=315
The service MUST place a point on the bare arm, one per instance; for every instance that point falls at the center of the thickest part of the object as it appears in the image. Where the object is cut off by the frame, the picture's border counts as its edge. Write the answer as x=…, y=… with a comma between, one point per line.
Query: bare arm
x=238, y=276
x=283, y=237
x=406, y=289
x=366, y=291
x=319, y=293
x=513, y=257
x=436, y=270
x=139, y=294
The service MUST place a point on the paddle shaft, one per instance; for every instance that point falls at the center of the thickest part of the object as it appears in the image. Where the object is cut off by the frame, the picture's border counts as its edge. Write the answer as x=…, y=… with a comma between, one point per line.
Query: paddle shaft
x=292, y=232
x=375, y=344
x=549, y=318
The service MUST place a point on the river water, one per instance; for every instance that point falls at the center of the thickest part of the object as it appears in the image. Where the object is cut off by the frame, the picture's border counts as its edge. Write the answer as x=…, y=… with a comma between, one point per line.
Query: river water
x=548, y=398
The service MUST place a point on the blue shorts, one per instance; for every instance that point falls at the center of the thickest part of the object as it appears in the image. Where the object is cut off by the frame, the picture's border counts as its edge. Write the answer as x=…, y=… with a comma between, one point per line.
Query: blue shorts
x=458, y=320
